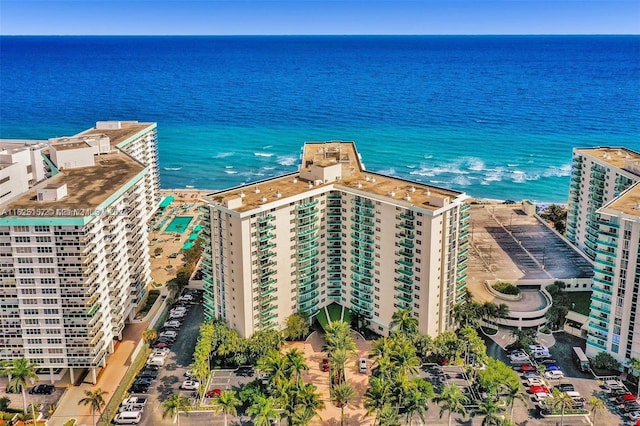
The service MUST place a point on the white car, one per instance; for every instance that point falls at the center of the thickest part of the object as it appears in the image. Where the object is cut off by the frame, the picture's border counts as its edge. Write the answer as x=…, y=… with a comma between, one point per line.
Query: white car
x=533, y=381
x=538, y=348
x=135, y=400
x=131, y=407
x=519, y=357
x=163, y=352
x=190, y=385
x=169, y=334
x=185, y=298
x=634, y=415
x=176, y=315
x=541, y=396
x=178, y=310
x=172, y=324
x=156, y=360
x=555, y=374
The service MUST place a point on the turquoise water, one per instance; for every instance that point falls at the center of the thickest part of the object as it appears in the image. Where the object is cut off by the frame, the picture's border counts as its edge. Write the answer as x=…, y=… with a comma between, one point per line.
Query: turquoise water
x=494, y=116
x=179, y=224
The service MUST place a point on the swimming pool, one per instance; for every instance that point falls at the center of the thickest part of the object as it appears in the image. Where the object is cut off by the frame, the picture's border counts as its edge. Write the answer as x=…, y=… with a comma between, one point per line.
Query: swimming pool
x=179, y=224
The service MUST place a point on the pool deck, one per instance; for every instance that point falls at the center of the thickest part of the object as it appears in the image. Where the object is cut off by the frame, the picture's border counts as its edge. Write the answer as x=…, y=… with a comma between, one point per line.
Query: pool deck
x=186, y=203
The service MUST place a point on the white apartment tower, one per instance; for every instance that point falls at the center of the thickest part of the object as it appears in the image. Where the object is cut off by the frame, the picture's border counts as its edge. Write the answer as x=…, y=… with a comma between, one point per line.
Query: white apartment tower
x=614, y=322
x=74, y=258
x=598, y=175
x=333, y=232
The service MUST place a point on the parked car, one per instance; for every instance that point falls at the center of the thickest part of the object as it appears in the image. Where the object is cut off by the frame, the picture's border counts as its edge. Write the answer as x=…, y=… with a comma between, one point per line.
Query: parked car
x=613, y=384
x=530, y=374
x=527, y=367
x=190, y=385
x=151, y=374
x=621, y=399
x=551, y=367
x=156, y=360
x=42, y=390
x=541, y=396
x=538, y=389
x=139, y=388
x=245, y=371
x=143, y=381
x=538, y=348
x=533, y=381
x=633, y=415
x=178, y=310
x=170, y=334
x=161, y=345
x=213, y=393
x=163, y=352
x=176, y=315
x=325, y=364
x=555, y=374
x=131, y=407
x=172, y=324
x=135, y=400
x=362, y=363
x=631, y=406
x=565, y=387
x=548, y=361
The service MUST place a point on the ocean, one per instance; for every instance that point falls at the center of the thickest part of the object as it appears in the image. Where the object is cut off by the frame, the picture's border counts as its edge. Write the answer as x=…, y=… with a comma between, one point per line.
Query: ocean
x=494, y=116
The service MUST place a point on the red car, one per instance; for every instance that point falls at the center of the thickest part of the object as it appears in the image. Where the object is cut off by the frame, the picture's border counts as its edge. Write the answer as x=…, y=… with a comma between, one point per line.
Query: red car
x=325, y=365
x=213, y=392
x=527, y=367
x=538, y=389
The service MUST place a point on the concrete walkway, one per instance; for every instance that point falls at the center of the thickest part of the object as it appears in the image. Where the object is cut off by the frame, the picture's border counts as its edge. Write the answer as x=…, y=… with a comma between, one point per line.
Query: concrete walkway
x=108, y=380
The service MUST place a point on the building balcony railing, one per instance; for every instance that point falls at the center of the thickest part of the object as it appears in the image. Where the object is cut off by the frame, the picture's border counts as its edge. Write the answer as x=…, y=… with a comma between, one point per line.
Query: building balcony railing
x=404, y=289
x=402, y=297
x=404, y=271
x=404, y=263
x=404, y=280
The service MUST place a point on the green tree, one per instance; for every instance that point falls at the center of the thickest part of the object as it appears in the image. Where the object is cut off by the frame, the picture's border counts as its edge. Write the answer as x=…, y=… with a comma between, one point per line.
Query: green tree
x=416, y=399
x=634, y=366
x=557, y=215
x=21, y=372
x=302, y=416
x=377, y=396
x=226, y=403
x=296, y=364
x=297, y=326
x=605, y=360
x=95, y=399
x=451, y=400
x=491, y=411
x=174, y=405
x=596, y=404
x=274, y=364
x=403, y=322
x=342, y=395
x=388, y=416
x=149, y=335
x=559, y=401
x=449, y=346
x=263, y=411
x=337, y=362
x=513, y=392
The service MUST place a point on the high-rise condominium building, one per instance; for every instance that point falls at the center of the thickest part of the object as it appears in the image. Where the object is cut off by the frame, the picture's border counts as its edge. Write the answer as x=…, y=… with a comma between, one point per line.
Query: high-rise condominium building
x=598, y=175
x=614, y=322
x=74, y=257
x=333, y=232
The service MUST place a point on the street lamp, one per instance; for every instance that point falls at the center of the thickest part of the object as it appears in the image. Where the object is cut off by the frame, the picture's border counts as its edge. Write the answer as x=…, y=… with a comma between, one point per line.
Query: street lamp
x=510, y=219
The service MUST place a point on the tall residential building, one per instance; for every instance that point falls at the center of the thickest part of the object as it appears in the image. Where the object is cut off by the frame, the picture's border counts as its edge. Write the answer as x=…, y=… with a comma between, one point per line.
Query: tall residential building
x=614, y=322
x=598, y=175
x=74, y=258
x=333, y=232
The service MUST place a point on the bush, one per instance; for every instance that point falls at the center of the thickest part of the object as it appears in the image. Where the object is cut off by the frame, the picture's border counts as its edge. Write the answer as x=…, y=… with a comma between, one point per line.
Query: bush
x=506, y=288
x=605, y=361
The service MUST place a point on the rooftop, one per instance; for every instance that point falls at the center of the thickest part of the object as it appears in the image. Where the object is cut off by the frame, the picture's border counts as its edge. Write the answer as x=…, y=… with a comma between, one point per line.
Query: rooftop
x=70, y=145
x=126, y=130
x=87, y=188
x=615, y=156
x=325, y=154
x=628, y=202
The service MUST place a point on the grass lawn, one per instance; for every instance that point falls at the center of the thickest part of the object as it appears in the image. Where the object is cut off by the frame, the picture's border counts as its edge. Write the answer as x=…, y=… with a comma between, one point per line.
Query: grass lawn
x=335, y=311
x=582, y=299
x=322, y=318
x=347, y=315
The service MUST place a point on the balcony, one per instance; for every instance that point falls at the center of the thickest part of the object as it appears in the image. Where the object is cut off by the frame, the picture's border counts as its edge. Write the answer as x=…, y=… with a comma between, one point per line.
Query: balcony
x=404, y=263
x=406, y=244
x=406, y=225
x=403, y=297
x=405, y=272
x=404, y=280
x=405, y=289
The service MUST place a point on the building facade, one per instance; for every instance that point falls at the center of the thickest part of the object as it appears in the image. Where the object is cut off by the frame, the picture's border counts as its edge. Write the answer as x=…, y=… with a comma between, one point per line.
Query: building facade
x=614, y=321
x=333, y=232
x=74, y=256
x=598, y=175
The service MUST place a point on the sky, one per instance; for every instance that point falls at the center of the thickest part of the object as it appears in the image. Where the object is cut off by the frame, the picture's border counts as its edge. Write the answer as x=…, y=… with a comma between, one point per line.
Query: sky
x=316, y=17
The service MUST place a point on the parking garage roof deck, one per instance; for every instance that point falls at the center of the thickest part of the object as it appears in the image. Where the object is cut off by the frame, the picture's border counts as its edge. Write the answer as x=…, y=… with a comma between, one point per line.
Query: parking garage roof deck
x=353, y=175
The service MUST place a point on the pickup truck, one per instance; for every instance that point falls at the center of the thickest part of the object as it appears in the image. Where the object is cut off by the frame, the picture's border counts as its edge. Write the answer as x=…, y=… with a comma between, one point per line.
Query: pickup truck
x=135, y=400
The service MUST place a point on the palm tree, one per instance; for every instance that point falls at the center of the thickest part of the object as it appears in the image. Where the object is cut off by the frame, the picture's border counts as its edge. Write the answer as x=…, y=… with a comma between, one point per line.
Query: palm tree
x=172, y=407
x=416, y=399
x=338, y=335
x=562, y=401
x=275, y=365
x=21, y=371
x=338, y=359
x=377, y=396
x=491, y=412
x=451, y=399
x=296, y=364
x=262, y=411
x=389, y=416
x=227, y=402
x=95, y=399
x=149, y=335
x=513, y=391
x=596, y=404
x=403, y=321
x=634, y=365
x=342, y=395
x=302, y=416
x=404, y=357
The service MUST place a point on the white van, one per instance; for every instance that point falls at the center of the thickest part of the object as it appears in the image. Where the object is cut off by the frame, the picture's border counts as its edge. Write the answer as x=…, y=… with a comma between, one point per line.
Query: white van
x=554, y=374
x=363, y=365
x=156, y=360
x=128, y=418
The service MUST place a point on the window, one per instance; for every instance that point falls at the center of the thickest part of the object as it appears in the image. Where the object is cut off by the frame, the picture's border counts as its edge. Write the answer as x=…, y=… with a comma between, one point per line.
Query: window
x=45, y=249
x=23, y=239
x=39, y=228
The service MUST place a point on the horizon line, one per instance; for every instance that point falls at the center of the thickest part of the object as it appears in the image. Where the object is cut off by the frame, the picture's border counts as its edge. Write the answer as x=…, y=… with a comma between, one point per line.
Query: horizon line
x=326, y=35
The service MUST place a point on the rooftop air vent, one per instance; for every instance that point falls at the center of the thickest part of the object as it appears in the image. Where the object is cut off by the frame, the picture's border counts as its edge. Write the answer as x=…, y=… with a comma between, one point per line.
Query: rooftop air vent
x=256, y=190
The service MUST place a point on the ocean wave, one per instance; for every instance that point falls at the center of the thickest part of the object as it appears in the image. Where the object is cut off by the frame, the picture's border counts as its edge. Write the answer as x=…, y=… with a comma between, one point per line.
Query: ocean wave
x=554, y=171
x=287, y=160
x=268, y=168
x=173, y=168
x=231, y=172
x=389, y=172
x=476, y=164
x=267, y=147
x=428, y=156
x=461, y=181
x=223, y=154
x=263, y=154
x=410, y=166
